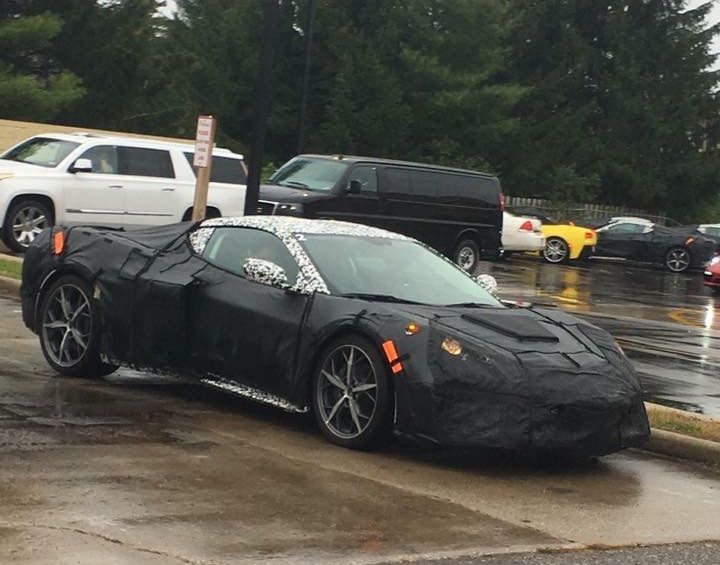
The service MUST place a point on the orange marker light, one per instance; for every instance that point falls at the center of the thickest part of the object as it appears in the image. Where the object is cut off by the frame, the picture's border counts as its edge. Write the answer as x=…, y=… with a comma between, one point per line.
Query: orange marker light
x=412, y=328
x=392, y=356
x=58, y=242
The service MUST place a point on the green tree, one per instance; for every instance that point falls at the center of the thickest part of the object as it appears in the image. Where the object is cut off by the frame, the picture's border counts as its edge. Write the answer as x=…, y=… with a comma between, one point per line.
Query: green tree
x=32, y=84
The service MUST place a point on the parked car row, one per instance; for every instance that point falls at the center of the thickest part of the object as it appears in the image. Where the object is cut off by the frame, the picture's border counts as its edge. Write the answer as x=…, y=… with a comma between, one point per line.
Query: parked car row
x=83, y=179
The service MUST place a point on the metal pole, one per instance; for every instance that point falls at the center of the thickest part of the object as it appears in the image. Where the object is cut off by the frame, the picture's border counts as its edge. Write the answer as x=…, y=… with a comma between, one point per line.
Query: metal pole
x=263, y=91
x=306, y=75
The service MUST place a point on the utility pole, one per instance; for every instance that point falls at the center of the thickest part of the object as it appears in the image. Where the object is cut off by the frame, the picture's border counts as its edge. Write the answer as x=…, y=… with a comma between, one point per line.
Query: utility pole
x=263, y=92
x=306, y=75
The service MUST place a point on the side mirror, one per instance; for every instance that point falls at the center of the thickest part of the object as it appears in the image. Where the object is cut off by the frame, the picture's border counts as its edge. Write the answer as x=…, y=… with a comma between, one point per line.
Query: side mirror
x=488, y=282
x=265, y=272
x=81, y=166
x=355, y=186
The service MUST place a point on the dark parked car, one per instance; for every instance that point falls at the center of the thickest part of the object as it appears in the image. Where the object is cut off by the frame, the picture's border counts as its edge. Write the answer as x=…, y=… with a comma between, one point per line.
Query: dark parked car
x=677, y=249
x=369, y=330
x=455, y=211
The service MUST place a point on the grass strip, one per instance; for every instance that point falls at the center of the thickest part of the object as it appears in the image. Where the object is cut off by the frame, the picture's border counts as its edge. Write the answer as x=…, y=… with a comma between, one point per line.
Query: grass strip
x=685, y=425
x=10, y=269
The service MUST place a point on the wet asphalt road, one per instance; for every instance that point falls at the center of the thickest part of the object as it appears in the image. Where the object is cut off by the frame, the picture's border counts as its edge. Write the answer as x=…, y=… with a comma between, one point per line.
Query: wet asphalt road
x=141, y=470
x=668, y=324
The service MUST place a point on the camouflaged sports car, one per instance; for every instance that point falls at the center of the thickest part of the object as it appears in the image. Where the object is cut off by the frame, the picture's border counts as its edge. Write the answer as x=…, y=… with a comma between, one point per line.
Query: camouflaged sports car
x=370, y=331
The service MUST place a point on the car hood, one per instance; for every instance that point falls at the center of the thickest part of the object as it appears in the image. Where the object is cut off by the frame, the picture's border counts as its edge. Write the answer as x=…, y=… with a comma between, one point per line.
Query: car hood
x=25, y=169
x=277, y=193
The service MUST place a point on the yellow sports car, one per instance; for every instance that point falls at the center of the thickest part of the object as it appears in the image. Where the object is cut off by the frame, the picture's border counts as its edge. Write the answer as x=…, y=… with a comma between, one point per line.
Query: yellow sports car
x=564, y=242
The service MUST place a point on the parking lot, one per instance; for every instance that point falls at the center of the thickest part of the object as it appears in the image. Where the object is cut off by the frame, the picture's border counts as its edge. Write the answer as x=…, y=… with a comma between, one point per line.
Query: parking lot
x=138, y=469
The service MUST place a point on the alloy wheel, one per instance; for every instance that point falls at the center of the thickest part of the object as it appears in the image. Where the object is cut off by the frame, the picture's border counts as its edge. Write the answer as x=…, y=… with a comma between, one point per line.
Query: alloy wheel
x=678, y=260
x=466, y=258
x=27, y=224
x=556, y=251
x=347, y=391
x=67, y=325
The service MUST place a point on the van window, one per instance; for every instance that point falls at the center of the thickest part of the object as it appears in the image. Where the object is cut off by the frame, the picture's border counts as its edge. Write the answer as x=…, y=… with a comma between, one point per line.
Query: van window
x=425, y=183
x=224, y=169
x=142, y=162
x=103, y=159
x=397, y=181
x=367, y=175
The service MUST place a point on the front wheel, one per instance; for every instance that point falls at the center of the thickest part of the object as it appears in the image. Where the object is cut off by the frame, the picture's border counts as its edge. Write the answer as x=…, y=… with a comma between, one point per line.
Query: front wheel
x=70, y=329
x=24, y=222
x=556, y=250
x=352, y=398
x=467, y=255
x=677, y=260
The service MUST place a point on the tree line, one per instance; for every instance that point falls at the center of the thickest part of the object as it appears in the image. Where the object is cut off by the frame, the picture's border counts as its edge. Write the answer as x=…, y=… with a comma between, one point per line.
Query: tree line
x=574, y=100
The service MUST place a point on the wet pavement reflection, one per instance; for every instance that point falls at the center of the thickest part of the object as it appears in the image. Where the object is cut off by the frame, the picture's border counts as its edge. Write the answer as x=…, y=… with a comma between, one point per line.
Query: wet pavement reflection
x=668, y=324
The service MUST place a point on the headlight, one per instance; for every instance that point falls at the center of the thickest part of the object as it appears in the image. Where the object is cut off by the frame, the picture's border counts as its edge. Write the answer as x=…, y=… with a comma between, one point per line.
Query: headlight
x=715, y=260
x=451, y=346
x=289, y=209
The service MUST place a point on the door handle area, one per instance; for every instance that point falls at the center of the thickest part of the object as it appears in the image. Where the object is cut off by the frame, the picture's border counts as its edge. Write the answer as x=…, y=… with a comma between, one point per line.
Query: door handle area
x=115, y=186
x=168, y=190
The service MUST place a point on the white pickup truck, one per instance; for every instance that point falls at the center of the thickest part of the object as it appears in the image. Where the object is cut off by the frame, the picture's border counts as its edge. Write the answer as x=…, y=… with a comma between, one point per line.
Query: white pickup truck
x=86, y=179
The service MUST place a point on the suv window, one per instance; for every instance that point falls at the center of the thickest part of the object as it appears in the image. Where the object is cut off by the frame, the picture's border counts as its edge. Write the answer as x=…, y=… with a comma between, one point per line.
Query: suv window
x=367, y=175
x=230, y=247
x=143, y=162
x=224, y=169
x=103, y=159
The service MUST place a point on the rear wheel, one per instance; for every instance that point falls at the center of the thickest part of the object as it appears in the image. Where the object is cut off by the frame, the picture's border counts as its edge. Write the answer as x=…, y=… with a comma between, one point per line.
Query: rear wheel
x=70, y=329
x=556, y=250
x=467, y=255
x=24, y=222
x=352, y=399
x=677, y=260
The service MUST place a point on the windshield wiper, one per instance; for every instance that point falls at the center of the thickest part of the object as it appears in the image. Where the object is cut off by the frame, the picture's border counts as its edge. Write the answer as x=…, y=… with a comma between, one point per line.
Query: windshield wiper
x=470, y=305
x=295, y=184
x=378, y=297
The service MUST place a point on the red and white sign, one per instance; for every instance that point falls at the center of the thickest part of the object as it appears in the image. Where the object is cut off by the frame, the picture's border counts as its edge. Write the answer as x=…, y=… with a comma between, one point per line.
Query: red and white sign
x=203, y=141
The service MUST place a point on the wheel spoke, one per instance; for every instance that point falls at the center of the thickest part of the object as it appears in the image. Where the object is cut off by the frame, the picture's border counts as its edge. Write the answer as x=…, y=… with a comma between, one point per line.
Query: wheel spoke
x=78, y=310
x=54, y=325
x=335, y=409
x=64, y=303
x=38, y=221
x=334, y=380
x=364, y=387
x=348, y=376
x=354, y=411
x=78, y=338
x=63, y=345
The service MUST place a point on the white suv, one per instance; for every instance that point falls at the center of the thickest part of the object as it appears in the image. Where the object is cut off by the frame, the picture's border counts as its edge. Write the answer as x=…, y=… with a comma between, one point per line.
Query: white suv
x=84, y=179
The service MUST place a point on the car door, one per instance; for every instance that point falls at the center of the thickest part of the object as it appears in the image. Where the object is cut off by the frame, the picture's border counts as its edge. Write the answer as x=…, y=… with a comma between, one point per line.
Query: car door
x=148, y=178
x=362, y=207
x=240, y=329
x=622, y=240
x=96, y=197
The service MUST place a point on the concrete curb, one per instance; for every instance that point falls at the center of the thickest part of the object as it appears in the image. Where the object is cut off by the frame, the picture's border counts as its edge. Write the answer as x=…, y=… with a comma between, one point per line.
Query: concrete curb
x=10, y=286
x=11, y=258
x=683, y=447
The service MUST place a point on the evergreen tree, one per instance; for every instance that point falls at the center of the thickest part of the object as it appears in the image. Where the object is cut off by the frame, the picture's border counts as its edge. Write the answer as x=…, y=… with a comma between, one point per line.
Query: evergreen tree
x=32, y=84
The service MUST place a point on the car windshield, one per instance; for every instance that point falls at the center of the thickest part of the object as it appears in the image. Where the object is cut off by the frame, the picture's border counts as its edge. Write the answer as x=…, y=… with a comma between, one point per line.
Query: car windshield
x=42, y=151
x=392, y=270
x=309, y=174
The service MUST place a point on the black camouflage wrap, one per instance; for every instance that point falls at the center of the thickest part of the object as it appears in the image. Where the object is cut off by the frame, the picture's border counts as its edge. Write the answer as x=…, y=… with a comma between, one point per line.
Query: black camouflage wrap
x=526, y=379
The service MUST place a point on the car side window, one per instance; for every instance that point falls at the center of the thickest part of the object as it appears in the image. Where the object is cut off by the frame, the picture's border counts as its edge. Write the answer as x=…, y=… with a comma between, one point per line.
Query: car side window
x=104, y=159
x=396, y=181
x=224, y=169
x=231, y=247
x=626, y=228
x=144, y=162
x=367, y=176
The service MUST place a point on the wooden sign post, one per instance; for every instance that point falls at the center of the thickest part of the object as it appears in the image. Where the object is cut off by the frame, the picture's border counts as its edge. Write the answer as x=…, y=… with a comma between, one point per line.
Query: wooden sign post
x=204, y=143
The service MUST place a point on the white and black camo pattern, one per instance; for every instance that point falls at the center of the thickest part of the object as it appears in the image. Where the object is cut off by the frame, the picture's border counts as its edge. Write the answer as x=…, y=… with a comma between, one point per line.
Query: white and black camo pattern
x=252, y=393
x=265, y=272
x=289, y=230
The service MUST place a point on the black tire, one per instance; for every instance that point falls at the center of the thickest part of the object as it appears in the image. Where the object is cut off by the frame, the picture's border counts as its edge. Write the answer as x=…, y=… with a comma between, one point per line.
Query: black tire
x=677, y=259
x=70, y=332
x=24, y=220
x=506, y=254
x=332, y=407
x=556, y=250
x=467, y=255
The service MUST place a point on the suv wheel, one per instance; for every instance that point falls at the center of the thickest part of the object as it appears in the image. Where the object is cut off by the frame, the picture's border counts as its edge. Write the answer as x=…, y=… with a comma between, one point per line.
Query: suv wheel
x=467, y=255
x=24, y=221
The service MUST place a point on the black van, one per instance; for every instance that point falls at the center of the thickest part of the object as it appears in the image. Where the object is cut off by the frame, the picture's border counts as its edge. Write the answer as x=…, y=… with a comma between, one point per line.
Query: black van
x=455, y=211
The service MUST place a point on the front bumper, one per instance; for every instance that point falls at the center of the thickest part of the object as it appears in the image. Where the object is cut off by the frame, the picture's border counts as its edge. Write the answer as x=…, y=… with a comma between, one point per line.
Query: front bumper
x=711, y=279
